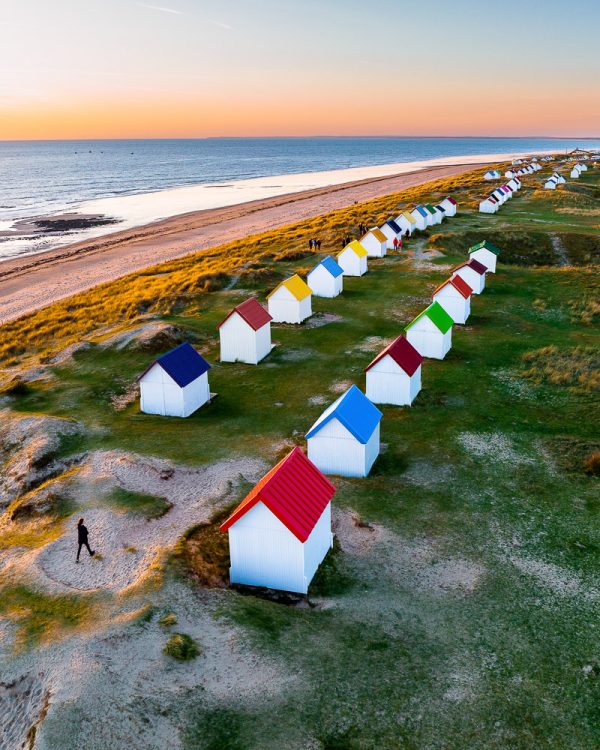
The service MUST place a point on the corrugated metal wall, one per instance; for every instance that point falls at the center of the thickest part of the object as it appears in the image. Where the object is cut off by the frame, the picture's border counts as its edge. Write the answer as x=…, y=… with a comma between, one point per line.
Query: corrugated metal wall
x=335, y=451
x=387, y=383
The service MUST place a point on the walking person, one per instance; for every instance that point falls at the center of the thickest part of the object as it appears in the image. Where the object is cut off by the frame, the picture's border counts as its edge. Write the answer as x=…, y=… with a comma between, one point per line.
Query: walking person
x=310, y=244
x=82, y=539
x=319, y=245
x=395, y=243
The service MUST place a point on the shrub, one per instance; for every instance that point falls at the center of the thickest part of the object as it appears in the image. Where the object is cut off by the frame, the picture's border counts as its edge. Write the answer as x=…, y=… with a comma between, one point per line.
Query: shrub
x=591, y=465
x=182, y=647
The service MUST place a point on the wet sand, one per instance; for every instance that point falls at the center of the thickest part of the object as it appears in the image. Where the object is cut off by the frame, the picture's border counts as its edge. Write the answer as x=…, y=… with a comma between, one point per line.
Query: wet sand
x=29, y=283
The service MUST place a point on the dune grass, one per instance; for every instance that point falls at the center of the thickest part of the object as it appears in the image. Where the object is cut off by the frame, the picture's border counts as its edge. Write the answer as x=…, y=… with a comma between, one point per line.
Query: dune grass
x=149, y=506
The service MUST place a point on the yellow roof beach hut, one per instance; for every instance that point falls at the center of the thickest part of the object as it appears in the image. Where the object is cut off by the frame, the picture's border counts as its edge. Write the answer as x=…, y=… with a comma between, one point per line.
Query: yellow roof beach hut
x=290, y=301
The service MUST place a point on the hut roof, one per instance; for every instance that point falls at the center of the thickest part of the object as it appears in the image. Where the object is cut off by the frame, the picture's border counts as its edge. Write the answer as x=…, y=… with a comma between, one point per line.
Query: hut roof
x=354, y=410
x=378, y=234
x=459, y=284
x=252, y=312
x=474, y=264
x=409, y=217
x=437, y=315
x=357, y=248
x=393, y=226
x=183, y=364
x=403, y=353
x=485, y=245
x=296, y=286
x=331, y=265
x=295, y=491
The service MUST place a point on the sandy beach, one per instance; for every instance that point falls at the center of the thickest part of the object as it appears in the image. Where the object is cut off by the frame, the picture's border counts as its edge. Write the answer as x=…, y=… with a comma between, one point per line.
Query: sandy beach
x=29, y=283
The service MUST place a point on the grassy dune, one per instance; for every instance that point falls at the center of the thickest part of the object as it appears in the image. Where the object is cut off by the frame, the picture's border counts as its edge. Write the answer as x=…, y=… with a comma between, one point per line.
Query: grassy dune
x=467, y=616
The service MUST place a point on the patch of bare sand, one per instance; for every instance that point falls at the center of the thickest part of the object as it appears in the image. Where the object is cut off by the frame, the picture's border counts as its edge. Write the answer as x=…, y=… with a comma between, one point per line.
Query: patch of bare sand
x=340, y=386
x=355, y=536
x=322, y=319
x=128, y=544
x=494, y=445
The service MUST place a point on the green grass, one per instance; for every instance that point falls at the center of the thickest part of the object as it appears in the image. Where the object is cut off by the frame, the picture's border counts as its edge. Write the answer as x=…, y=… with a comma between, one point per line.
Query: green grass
x=42, y=617
x=149, y=506
x=485, y=479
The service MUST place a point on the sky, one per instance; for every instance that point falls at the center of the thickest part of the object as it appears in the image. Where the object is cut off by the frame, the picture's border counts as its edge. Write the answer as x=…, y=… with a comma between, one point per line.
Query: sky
x=198, y=68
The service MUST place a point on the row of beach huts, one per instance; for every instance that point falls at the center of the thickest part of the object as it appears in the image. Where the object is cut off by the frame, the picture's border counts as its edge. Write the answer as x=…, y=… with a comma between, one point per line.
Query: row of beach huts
x=281, y=531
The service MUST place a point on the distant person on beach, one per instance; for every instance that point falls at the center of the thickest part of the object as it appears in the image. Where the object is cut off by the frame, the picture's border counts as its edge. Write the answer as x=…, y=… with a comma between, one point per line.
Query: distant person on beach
x=82, y=539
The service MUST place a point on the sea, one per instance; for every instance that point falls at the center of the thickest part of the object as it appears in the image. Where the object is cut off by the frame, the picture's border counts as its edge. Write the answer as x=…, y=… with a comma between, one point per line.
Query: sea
x=38, y=178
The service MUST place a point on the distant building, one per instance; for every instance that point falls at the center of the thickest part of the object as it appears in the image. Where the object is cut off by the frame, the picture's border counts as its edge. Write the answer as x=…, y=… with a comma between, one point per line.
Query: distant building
x=326, y=278
x=431, y=332
x=245, y=334
x=394, y=376
x=473, y=273
x=492, y=174
x=281, y=531
x=345, y=438
x=450, y=206
x=176, y=384
x=374, y=242
x=406, y=222
x=488, y=205
x=353, y=259
x=420, y=215
x=290, y=301
x=486, y=253
x=454, y=295
x=392, y=231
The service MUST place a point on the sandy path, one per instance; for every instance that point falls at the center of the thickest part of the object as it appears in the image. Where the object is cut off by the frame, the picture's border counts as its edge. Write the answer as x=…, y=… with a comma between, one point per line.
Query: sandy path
x=32, y=282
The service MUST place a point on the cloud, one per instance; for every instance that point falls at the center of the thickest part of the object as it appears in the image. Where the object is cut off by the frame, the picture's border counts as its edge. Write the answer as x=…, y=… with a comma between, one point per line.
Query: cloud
x=220, y=24
x=163, y=10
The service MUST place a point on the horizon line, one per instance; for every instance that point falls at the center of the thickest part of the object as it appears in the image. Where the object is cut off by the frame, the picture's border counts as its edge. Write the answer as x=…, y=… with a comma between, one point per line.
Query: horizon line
x=298, y=137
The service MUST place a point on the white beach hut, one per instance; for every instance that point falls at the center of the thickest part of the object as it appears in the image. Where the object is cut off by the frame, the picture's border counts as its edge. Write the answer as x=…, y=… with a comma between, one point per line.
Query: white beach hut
x=486, y=253
x=454, y=295
x=420, y=215
x=392, y=232
x=326, y=278
x=394, y=376
x=245, y=334
x=488, y=206
x=492, y=174
x=450, y=206
x=436, y=214
x=280, y=533
x=374, y=242
x=176, y=384
x=551, y=183
x=290, y=301
x=473, y=273
x=514, y=184
x=499, y=196
x=353, y=259
x=406, y=222
x=345, y=438
x=576, y=172
x=431, y=332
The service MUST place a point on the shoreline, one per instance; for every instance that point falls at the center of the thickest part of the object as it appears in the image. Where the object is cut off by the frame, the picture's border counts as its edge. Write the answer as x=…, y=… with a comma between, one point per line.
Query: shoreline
x=33, y=235
x=29, y=283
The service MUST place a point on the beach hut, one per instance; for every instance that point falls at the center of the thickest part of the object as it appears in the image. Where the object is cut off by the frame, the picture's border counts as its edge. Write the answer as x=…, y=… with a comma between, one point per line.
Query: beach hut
x=488, y=206
x=176, y=384
x=420, y=215
x=429, y=216
x=431, y=332
x=435, y=214
x=551, y=183
x=374, y=242
x=454, y=295
x=280, y=533
x=499, y=196
x=353, y=259
x=290, y=301
x=561, y=179
x=442, y=211
x=392, y=232
x=245, y=334
x=492, y=174
x=507, y=191
x=576, y=172
x=394, y=376
x=406, y=222
x=450, y=206
x=514, y=184
x=582, y=165
x=326, y=278
x=510, y=173
x=473, y=273
x=487, y=253
x=345, y=438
